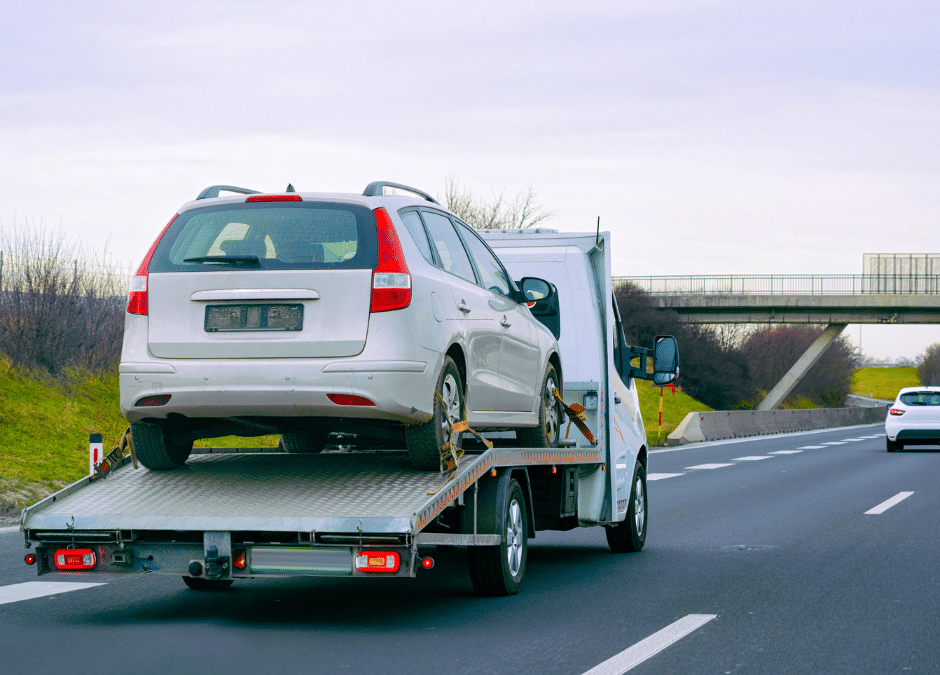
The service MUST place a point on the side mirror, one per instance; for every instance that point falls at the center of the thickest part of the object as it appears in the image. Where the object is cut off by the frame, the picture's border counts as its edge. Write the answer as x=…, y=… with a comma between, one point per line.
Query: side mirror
x=665, y=359
x=536, y=290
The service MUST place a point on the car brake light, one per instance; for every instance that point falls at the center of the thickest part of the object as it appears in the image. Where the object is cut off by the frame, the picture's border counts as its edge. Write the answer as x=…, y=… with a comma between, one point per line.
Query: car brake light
x=391, y=280
x=274, y=198
x=896, y=411
x=349, y=399
x=75, y=559
x=137, y=298
x=377, y=561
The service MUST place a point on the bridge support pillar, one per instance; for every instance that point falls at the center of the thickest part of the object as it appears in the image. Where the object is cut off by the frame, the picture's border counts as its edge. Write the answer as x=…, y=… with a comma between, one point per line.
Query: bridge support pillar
x=789, y=381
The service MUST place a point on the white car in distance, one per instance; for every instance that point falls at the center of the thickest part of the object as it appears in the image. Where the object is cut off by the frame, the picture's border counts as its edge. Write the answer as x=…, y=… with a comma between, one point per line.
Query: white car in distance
x=307, y=314
x=913, y=418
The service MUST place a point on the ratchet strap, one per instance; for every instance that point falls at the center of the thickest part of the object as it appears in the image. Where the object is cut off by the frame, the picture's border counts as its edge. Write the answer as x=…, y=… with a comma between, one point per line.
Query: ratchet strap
x=450, y=451
x=111, y=460
x=575, y=413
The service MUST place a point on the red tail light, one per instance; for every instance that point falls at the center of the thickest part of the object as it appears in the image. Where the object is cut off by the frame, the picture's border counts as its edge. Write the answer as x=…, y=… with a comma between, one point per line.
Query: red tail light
x=391, y=280
x=349, y=399
x=896, y=411
x=137, y=298
x=274, y=198
x=240, y=559
x=378, y=561
x=75, y=559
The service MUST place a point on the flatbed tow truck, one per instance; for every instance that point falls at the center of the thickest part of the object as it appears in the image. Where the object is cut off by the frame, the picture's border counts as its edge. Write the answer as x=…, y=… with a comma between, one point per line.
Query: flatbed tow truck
x=233, y=513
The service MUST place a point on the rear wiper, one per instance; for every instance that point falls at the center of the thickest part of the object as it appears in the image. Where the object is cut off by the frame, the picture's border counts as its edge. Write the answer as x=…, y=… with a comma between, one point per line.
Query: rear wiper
x=226, y=259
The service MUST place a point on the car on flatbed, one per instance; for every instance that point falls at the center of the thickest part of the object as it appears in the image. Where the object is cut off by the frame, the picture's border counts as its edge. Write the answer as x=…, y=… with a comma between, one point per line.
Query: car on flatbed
x=913, y=418
x=382, y=317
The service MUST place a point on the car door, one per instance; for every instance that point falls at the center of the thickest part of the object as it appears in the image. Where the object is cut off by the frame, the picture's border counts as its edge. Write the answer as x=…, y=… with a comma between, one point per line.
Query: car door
x=520, y=358
x=482, y=331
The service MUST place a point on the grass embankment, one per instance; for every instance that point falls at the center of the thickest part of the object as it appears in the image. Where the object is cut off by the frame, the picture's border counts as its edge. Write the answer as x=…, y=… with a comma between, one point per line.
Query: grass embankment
x=884, y=383
x=675, y=408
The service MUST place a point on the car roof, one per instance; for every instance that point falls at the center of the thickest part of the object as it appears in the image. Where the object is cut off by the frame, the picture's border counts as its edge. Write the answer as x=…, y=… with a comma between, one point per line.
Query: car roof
x=908, y=390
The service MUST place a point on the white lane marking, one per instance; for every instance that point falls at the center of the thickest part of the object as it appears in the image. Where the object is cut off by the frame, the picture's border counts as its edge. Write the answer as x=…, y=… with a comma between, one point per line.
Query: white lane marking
x=708, y=466
x=812, y=447
x=37, y=589
x=785, y=452
x=884, y=506
x=661, y=476
x=852, y=440
x=752, y=458
x=834, y=443
x=651, y=646
x=13, y=528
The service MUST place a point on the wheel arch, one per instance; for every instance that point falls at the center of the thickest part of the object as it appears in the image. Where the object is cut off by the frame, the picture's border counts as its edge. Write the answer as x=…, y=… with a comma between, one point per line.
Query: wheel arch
x=455, y=351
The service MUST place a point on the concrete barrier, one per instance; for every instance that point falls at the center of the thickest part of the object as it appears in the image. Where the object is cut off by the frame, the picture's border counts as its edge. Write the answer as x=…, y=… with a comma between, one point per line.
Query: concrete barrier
x=719, y=425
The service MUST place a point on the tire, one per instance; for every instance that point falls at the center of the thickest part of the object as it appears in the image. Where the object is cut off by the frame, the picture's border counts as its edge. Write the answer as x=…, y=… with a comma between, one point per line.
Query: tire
x=891, y=446
x=303, y=442
x=630, y=535
x=499, y=570
x=424, y=441
x=156, y=449
x=548, y=433
x=199, y=584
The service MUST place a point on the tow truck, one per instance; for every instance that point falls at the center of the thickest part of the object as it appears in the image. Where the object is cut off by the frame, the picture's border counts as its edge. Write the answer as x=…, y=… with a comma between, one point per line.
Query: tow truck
x=240, y=513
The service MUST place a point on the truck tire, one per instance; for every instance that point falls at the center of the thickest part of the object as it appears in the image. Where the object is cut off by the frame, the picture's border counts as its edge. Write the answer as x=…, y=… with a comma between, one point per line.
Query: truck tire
x=424, y=440
x=303, y=442
x=156, y=449
x=200, y=584
x=498, y=570
x=630, y=535
x=548, y=433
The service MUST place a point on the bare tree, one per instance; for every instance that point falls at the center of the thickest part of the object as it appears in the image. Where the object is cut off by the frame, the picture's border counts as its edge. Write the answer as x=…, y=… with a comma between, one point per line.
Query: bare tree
x=523, y=211
x=929, y=369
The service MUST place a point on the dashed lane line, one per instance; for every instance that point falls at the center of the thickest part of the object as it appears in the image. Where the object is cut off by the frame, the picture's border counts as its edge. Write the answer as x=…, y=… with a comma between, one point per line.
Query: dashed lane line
x=834, y=443
x=752, y=458
x=708, y=466
x=885, y=505
x=38, y=589
x=651, y=646
x=662, y=476
x=812, y=447
x=785, y=452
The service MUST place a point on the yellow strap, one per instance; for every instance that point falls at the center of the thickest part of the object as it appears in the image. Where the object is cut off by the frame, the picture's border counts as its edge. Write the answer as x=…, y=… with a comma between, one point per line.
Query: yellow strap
x=575, y=413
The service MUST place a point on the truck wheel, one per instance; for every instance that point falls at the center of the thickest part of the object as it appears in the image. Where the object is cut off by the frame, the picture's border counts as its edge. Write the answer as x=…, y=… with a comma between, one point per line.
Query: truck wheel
x=630, y=535
x=303, y=442
x=199, y=584
x=548, y=433
x=424, y=441
x=498, y=570
x=156, y=449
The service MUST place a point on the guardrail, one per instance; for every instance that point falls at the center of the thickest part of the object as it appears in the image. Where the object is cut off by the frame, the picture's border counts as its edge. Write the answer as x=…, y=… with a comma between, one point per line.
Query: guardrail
x=786, y=284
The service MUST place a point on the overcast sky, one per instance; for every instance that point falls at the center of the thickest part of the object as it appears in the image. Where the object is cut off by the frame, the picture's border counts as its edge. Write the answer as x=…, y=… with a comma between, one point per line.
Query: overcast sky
x=710, y=137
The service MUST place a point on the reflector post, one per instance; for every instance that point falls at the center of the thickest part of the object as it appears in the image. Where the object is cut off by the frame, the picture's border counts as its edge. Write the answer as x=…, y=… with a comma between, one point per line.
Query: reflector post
x=378, y=561
x=74, y=559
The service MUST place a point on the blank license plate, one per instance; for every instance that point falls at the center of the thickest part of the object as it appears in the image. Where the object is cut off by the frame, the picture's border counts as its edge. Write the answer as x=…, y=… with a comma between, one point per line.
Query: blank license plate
x=221, y=318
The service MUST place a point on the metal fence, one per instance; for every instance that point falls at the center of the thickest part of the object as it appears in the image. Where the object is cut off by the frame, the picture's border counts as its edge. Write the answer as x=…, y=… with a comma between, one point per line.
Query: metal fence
x=787, y=284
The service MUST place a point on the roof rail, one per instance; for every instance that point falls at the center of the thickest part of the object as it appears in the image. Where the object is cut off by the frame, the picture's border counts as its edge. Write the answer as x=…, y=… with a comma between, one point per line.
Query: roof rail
x=213, y=191
x=377, y=189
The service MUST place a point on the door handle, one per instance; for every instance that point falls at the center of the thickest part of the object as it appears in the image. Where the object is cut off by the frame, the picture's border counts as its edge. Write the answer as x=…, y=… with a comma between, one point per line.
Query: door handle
x=505, y=322
x=617, y=398
x=463, y=307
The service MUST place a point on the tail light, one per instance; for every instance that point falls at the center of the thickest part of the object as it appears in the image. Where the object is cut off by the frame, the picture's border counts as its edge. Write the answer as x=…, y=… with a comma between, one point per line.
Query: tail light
x=137, y=298
x=391, y=280
x=274, y=198
x=75, y=559
x=378, y=561
x=240, y=559
x=895, y=411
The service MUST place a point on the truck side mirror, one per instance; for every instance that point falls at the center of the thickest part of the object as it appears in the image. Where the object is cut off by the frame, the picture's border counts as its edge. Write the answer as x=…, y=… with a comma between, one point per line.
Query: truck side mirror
x=665, y=359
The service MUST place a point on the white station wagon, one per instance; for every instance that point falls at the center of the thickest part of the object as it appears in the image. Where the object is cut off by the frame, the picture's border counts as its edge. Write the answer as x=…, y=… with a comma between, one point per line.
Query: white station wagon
x=307, y=315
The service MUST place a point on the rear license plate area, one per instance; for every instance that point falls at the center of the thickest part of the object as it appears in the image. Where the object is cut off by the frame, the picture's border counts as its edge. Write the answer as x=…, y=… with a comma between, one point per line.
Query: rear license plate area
x=230, y=318
x=318, y=561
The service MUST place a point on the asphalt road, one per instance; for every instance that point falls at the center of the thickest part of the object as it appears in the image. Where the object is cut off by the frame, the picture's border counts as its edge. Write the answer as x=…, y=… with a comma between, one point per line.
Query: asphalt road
x=769, y=557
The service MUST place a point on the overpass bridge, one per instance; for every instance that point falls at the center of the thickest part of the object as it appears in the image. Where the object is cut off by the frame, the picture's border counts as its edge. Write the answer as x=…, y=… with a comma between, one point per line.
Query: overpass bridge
x=834, y=300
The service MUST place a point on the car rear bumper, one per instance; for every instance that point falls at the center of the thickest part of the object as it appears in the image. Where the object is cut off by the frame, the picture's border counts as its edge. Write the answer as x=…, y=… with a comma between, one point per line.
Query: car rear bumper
x=401, y=390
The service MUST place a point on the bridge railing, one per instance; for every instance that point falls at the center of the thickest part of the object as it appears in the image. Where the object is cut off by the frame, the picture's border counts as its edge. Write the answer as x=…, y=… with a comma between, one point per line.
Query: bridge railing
x=786, y=284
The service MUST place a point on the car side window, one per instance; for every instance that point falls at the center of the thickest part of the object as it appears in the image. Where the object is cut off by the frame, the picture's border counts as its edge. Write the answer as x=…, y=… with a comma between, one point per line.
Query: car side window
x=412, y=221
x=492, y=275
x=450, y=250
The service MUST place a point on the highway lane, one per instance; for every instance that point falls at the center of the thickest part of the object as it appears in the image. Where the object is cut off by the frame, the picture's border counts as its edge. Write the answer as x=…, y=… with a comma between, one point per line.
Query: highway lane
x=779, y=550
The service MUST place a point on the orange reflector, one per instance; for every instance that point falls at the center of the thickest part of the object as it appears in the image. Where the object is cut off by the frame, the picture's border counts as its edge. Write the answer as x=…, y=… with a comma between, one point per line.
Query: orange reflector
x=554, y=469
x=75, y=559
x=493, y=473
x=377, y=561
x=30, y=558
x=239, y=559
x=603, y=467
x=427, y=563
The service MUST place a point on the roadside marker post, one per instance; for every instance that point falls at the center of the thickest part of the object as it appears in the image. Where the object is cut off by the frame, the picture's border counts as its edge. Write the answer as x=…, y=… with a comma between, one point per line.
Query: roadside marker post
x=95, y=451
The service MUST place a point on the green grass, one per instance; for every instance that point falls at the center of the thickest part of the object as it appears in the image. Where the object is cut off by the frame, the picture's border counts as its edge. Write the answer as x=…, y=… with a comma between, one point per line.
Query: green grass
x=675, y=408
x=884, y=383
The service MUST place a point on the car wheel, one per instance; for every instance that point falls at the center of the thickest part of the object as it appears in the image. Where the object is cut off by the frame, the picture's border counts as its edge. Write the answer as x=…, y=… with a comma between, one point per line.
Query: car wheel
x=890, y=445
x=498, y=570
x=424, y=440
x=156, y=448
x=548, y=433
x=200, y=584
x=630, y=535
x=303, y=442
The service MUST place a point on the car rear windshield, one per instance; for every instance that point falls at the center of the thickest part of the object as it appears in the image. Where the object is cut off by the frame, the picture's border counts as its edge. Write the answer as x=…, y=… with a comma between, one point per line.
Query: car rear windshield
x=921, y=398
x=269, y=236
